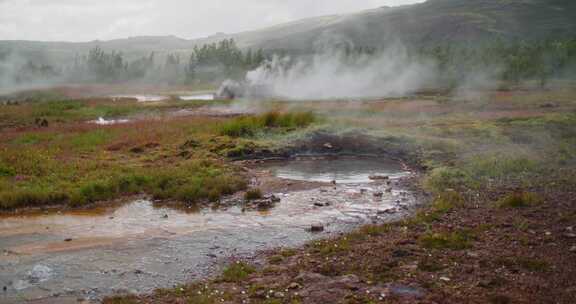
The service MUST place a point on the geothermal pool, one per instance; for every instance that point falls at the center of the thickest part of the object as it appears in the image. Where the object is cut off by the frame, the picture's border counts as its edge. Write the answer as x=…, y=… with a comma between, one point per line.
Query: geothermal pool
x=349, y=170
x=138, y=247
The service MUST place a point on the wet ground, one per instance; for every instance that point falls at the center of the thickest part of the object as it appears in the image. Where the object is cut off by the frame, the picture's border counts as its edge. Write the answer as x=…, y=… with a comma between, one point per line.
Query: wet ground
x=137, y=247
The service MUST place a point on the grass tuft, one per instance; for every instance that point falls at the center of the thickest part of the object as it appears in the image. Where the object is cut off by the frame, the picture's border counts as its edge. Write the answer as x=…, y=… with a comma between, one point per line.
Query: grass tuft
x=237, y=272
x=457, y=240
x=519, y=200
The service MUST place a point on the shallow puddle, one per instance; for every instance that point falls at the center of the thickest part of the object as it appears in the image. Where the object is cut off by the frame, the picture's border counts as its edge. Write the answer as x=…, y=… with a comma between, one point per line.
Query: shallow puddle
x=141, y=98
x=137, y=247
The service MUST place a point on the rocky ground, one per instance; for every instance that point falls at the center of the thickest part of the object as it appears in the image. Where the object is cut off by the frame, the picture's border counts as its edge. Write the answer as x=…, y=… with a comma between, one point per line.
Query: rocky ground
x=457, y=250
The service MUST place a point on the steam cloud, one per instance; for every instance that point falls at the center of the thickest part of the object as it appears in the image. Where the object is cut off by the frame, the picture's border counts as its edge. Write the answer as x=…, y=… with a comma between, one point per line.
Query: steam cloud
x=333, y=74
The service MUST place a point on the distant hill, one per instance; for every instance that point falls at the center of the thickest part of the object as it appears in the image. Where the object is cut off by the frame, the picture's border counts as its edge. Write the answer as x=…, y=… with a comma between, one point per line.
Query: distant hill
x=432, y=22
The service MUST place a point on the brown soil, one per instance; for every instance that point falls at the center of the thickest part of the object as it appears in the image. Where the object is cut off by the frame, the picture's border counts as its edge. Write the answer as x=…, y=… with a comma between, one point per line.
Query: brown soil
x=512, y=255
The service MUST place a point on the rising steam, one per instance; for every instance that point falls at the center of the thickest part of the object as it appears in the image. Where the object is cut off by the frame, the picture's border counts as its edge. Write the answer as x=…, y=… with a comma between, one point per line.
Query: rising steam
x=336, y=74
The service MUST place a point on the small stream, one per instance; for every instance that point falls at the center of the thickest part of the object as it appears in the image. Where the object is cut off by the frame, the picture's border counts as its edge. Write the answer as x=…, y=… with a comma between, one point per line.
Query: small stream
x=138, y=247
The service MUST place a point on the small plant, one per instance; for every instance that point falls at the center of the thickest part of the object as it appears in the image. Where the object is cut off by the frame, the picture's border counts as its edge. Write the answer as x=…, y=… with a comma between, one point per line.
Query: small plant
x=237, y=272
x=288, y=253
x=457, y=240
x=519, y=200
x=253, y=194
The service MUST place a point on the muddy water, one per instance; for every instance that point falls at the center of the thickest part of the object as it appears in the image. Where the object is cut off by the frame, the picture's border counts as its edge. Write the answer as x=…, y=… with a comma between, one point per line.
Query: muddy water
x=136, y=248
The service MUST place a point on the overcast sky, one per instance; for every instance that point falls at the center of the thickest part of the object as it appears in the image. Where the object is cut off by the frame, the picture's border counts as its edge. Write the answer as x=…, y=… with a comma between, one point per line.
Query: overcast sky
x=85, y=20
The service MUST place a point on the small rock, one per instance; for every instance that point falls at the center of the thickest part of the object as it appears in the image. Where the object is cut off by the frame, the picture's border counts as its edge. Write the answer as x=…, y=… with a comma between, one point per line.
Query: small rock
x=310, y=277
x=328, y=146
x=387, y=211
x=379, y=177
x=405, y=291
x=165, y=216
x=294, y=286
x=548, y=105
x=68, y=240
x=317, y=228
x=321, y=204
x=333, y=182
x=399, y=253
x=389, y=190
x=472, y=254
x=445, y=279
x=573, y=249
x=279, y=295
x=378, y=194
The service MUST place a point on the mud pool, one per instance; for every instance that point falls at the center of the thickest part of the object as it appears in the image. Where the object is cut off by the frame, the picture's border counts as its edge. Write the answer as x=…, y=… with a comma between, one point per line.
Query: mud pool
x=137, y=247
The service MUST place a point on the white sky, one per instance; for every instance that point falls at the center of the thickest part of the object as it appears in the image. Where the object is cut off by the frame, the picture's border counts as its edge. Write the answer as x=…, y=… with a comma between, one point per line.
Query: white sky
x=85, y=20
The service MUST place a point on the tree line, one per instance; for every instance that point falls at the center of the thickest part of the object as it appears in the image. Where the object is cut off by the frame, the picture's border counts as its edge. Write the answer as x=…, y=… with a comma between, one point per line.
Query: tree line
x=509, y=62
x=208, y=63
